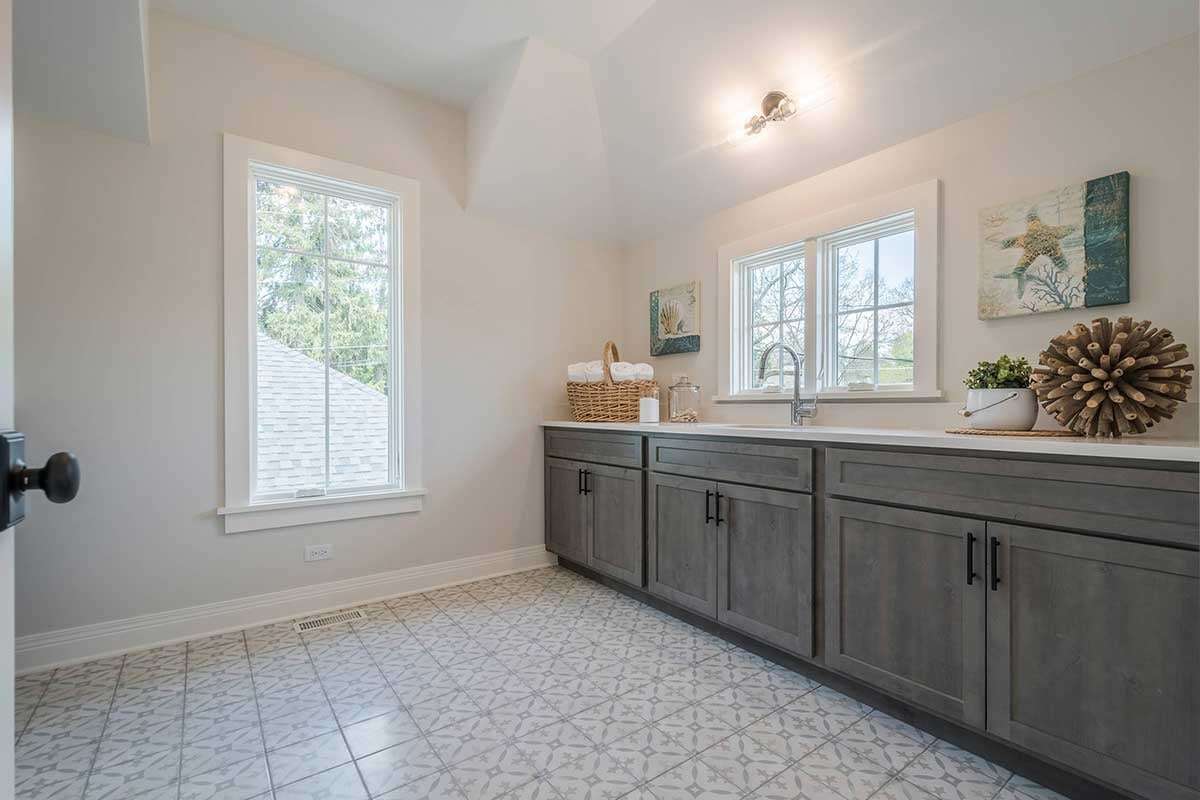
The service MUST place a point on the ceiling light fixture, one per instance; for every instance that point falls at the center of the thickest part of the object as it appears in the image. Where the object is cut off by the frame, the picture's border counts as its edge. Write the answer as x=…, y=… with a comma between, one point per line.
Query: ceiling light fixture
x=776, y=107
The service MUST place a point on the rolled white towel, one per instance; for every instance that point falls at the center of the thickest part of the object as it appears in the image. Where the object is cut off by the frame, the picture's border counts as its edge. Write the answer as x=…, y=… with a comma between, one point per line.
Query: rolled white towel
x=594, y=372
x=577, y=373
x=623, y=371
x=644, y=372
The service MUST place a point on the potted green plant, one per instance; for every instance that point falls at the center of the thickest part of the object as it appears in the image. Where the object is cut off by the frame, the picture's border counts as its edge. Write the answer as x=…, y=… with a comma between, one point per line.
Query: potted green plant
x=999, y=397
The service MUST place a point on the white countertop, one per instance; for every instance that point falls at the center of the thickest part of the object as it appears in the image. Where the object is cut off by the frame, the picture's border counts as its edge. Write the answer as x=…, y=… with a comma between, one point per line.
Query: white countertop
x=1145, y=448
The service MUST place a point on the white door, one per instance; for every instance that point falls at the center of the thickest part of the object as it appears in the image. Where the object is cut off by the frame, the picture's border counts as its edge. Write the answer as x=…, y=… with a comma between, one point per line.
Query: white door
x=6, y=391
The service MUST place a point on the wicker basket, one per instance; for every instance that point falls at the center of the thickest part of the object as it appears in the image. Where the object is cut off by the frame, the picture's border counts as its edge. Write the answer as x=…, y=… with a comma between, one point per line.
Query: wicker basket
x=607, y=401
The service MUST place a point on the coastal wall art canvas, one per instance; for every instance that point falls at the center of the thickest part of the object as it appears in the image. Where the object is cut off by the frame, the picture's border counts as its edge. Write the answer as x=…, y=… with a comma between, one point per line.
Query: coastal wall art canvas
x=675, y=320
x=1067, y=248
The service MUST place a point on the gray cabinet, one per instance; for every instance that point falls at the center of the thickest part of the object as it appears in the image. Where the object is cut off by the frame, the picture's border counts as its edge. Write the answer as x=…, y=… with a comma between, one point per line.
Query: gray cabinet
x=776, y=466
x=1092, y=648
x=1153, y=504
x=594, y=517
x=613, y=496
x=765, y=565
x=900, y=611
x=682, y=542
x=738, y=554
x=566, y=511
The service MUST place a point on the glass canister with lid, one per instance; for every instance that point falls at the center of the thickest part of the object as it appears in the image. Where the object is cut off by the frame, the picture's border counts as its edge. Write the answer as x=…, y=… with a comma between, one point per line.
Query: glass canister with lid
x=684, y=401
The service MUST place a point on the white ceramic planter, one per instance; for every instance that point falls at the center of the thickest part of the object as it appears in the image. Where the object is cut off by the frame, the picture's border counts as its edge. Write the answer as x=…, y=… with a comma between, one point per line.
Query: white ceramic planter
x=1001, y=409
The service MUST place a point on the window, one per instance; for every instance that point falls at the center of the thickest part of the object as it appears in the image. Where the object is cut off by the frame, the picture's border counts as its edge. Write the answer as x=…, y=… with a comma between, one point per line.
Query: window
x=871, y=272
x=853, y=293
x=320, y=340
x=773, y=288
x=323, y=353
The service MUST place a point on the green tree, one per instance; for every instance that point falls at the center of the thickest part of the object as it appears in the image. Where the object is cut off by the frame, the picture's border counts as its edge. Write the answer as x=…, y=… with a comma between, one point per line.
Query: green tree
x=306, y=276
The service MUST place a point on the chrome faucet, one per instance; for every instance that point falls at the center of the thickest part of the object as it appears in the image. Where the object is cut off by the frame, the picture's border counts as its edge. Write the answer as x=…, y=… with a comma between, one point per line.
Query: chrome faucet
x=800, y=408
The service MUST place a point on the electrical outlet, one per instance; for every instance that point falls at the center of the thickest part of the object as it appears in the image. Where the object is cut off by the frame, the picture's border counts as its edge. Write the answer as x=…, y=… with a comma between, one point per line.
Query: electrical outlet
x=318, y=552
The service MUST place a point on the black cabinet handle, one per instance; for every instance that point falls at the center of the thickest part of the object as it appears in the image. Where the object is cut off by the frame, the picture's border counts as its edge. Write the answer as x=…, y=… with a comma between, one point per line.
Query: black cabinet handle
x=707, y=496
x=971, y=576
x=718, y=508
x=995, y=567
x=587, y=487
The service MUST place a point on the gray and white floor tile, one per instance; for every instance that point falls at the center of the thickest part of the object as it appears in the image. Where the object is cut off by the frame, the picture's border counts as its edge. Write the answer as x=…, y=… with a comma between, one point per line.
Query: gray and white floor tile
x=535, y=686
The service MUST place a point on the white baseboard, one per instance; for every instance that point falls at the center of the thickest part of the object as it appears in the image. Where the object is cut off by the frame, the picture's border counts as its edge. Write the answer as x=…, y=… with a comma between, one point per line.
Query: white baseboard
x=41, y=651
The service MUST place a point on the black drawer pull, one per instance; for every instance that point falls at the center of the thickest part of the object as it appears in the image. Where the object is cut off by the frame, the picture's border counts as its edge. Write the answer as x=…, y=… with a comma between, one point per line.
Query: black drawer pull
x=995, y=567
x=717, y=505
x=587, y=484
x=707, y=496
x=971, y=576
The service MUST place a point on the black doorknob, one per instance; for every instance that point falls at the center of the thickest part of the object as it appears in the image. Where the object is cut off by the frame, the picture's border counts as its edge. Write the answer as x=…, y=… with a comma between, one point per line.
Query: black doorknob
x=59, y=479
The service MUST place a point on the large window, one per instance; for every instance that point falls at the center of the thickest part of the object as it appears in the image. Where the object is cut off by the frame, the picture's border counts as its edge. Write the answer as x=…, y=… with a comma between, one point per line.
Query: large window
x=321, y=339
x=324, y=417
x=853, y=293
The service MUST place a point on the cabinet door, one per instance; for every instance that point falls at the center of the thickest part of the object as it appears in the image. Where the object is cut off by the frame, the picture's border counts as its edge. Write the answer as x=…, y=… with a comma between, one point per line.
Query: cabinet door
x=566, y=522
x=682, y=543
x=614, y=502
x=901, y=612
x=765, y=566
x=1092, y=647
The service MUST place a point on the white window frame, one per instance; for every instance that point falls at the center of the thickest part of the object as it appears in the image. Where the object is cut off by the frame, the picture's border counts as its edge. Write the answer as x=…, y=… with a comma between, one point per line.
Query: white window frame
x=244, y=159
x=818, y=234
x=742, y=313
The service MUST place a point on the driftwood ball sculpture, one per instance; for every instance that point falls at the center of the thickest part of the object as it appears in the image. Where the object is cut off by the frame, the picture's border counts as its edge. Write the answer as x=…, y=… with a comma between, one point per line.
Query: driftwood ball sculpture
x=1112, y=378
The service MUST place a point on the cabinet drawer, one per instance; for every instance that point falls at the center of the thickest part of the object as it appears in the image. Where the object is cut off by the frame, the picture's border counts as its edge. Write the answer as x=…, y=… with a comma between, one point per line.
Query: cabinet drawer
x=1150, y=504
x=766, y=465
x=601, y=447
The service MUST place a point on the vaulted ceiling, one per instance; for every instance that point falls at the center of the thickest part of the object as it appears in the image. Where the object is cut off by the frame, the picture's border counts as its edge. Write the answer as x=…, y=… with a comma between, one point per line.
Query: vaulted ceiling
x=611, y=119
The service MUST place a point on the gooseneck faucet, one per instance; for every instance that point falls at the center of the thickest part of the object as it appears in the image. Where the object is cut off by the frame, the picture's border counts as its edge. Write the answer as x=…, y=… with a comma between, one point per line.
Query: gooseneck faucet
x=800, y=408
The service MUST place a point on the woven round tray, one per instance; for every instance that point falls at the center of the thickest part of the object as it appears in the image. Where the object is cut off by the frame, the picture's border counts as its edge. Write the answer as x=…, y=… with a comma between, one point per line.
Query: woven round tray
x=985, y=432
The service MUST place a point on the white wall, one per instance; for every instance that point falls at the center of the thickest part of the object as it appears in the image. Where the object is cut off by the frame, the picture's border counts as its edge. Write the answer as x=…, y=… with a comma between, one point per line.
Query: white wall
x=119, y=338
x=1139, y=115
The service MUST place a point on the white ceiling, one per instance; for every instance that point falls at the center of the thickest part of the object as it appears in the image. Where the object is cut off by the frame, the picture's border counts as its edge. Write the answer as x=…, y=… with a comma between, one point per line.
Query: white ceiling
x=84, y=62
x=608, y=118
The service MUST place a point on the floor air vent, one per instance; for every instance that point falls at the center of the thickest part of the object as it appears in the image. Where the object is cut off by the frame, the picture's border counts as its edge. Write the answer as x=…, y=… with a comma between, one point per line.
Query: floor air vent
x=313, y=623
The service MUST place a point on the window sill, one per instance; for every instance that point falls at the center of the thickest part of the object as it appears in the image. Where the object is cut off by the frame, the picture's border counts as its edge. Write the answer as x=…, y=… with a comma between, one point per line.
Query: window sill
x=837, y=397
x=312, y=510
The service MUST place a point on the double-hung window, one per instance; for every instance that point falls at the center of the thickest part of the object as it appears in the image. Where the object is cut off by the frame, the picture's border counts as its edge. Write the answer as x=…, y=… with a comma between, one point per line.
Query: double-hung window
x=870, y=276
x=318, y=311
x=853, y=293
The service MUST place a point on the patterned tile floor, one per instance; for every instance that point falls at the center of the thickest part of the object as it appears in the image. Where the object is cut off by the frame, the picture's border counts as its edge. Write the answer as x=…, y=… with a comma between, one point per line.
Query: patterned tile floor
x=536, y=686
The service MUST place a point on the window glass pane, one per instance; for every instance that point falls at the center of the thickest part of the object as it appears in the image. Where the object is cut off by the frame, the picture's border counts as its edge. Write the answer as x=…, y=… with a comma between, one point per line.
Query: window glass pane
x=287, y=217
x=856, y=347
x=764, y=294
x=793, y=337
x=358, y=377
x=762, y=338
x=289, y=374
x=896, y=253
x=793, y=289
x=856, y=276
x=896, y=345
x=358, y=231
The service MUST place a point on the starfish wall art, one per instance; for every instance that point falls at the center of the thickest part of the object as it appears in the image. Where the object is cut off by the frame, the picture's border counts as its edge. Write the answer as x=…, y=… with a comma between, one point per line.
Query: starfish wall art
x=1067, y=248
